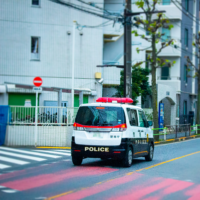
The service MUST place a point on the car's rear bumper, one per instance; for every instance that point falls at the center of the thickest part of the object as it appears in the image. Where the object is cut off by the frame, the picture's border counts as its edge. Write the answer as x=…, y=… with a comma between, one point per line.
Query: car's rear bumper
x=88, y=151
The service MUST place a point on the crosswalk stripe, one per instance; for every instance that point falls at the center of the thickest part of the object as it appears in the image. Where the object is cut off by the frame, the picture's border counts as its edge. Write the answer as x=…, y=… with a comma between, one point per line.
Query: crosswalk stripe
x=2, y=166
x=68, y=151
x=59, y=153
x=11, y=160
x=28, y=152
x=21, y=156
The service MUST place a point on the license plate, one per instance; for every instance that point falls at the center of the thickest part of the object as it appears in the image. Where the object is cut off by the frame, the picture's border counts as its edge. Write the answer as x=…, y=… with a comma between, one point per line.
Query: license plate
x=97, y=135
x=97, y=149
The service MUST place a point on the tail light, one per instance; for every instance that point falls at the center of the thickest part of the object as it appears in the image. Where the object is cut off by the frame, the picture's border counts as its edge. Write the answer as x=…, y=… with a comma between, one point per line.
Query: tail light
x=121, y=127
x=78, y=127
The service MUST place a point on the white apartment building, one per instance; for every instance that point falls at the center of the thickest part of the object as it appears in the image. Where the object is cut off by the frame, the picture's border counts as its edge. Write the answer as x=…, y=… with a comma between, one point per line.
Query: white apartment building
x=36, y=40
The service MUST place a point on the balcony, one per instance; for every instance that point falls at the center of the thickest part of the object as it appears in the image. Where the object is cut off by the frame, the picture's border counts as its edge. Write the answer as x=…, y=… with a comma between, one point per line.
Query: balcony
x=168, y=78
x=170, y=51
x=172, y=12
x=171, y=81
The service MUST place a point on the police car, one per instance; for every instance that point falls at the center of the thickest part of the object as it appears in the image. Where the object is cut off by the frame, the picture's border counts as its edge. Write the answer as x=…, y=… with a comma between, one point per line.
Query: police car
x=111, y=128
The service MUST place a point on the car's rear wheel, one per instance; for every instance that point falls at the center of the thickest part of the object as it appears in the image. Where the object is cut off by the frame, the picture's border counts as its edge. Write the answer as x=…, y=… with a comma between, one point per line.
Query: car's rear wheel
x=149, y=157
x=77, y=160
x=127, y=161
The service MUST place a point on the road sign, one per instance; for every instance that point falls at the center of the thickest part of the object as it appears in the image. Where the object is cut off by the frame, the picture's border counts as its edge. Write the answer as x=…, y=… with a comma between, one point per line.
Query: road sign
x=38, y=89
x=37, y=81
x=161, y=115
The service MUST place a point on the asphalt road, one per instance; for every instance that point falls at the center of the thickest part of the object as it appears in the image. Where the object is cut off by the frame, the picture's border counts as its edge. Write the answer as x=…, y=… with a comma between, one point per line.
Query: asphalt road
x=173, y=174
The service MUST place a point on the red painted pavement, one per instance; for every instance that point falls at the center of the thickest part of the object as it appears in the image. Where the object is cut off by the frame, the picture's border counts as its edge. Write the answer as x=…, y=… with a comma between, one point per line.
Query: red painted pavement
x=45, y=179
x=101, y=187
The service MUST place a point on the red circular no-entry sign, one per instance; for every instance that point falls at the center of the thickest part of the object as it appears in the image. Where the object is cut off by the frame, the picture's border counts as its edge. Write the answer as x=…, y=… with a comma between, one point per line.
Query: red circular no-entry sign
x=37, y=81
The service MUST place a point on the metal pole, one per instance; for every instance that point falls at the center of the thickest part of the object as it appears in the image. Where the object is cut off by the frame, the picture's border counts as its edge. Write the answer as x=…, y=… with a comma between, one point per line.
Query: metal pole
x=127, y=50
x=73, y=61
x=36, y=117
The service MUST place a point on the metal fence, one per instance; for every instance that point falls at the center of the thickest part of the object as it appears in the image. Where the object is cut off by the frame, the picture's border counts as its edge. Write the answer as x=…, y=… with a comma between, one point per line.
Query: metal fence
x=47, y=116
x=175, y=131
x=53, y=126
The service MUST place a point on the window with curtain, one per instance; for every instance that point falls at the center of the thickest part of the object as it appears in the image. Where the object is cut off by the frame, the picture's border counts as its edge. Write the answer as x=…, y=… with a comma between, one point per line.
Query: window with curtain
x=186, y=37
x=185, y=74
x=35, y=48
x=166, y=36
x=166, y=2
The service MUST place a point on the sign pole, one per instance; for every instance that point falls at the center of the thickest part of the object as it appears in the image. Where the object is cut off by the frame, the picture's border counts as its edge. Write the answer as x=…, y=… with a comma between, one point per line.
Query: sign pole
x=37, y=81
x=36, y=117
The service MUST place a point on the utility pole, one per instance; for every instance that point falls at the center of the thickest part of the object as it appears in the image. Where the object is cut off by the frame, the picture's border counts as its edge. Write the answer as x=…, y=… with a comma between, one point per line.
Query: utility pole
x=127, y=50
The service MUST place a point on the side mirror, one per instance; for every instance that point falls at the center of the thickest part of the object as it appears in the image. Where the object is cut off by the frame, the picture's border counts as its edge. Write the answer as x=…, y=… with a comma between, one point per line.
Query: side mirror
x=150, y=123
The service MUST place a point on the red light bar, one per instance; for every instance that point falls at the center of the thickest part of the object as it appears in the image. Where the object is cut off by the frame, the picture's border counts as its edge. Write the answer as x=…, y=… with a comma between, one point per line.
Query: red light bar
x=111, y=99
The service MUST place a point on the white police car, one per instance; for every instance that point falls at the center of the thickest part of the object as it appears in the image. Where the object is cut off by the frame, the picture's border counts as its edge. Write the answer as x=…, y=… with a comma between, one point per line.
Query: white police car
x=111, y=128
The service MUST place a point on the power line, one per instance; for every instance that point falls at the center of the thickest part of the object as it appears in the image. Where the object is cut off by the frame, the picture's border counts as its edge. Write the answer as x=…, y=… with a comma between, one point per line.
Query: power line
x=83, y=9
x=80, y=27
x=100, y=8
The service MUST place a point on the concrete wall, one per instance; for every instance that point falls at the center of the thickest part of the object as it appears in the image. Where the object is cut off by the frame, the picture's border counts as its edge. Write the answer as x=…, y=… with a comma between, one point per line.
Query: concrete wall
x=59, y=136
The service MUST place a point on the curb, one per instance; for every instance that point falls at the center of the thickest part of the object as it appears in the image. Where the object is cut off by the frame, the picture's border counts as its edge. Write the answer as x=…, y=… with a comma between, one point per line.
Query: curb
x=53, y=147
x=177, y=139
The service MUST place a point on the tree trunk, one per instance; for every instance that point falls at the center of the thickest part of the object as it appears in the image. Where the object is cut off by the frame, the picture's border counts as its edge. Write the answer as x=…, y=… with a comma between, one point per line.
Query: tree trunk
x=154, y=88
x=198, y=104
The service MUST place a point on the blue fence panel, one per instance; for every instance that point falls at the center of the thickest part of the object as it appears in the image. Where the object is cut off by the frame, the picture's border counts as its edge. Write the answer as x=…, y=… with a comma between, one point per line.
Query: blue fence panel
x=4, y=110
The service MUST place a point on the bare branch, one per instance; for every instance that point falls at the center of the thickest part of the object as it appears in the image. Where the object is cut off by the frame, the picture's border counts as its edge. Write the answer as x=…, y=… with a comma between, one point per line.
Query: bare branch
x=190, y=63
x=163, y=45
x=147, y=2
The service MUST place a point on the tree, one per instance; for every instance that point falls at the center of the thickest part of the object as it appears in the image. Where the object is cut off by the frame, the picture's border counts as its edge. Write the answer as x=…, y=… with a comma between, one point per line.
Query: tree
x=153, y=25
x=140, y=84
x=192, y=67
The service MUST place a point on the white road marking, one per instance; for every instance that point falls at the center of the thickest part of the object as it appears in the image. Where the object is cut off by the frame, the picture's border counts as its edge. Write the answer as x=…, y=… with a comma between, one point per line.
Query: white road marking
x=2, y=166
x=19, y=162
x=22, y=156
x=59, y=153
x=68, y=151
x=9, y=191
x=28, y=152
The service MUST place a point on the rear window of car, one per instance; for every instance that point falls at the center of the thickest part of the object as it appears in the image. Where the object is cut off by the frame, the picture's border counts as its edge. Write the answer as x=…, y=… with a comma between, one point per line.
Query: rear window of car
x=100, y=116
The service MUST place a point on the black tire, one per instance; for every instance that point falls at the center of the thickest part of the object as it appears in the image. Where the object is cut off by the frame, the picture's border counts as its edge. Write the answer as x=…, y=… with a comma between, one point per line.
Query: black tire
x=127, y=161
x=77, y=160
x=149, y=157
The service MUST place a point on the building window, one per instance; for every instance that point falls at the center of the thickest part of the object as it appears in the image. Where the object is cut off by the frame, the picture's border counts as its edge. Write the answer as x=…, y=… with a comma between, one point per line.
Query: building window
x=165, y=73
x=185, y=108
x=185, y=74
x=166, y=2
x=166, y=36
x=35, y=48
x=36, y=3
x=186, y=37
x=187, y=5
